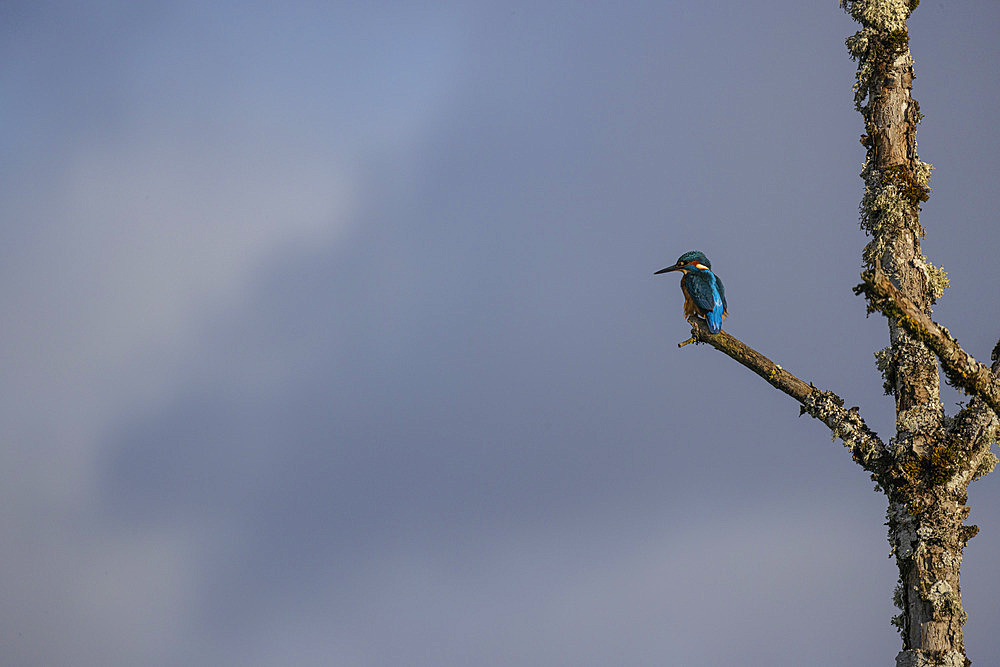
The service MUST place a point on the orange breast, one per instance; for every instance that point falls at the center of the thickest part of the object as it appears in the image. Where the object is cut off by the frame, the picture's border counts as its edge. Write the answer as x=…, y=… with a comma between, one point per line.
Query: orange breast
x=689, y=307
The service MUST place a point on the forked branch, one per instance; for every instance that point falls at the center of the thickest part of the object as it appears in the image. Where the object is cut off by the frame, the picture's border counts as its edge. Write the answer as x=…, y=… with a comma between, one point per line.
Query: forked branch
x=961, y=368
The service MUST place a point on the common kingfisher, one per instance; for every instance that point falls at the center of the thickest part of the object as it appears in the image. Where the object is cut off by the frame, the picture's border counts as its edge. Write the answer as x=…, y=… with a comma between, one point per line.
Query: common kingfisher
x=704, y=293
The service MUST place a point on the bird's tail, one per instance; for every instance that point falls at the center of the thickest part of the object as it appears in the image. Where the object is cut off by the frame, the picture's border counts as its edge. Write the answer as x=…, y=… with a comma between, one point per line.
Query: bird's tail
x=714, y=318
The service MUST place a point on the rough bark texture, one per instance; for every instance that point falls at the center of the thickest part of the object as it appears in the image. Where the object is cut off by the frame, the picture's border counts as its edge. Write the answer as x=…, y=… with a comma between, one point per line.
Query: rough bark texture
x=826, y=406
x=926, y=507
x=926, y=467
x=961, y=369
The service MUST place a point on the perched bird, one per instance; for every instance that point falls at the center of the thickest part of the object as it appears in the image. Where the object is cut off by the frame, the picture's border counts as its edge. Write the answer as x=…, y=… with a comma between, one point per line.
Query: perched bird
x=704, y=293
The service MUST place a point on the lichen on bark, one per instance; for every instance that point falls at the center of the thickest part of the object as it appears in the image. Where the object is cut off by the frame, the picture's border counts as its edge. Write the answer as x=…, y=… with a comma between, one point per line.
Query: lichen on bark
x=933, y=458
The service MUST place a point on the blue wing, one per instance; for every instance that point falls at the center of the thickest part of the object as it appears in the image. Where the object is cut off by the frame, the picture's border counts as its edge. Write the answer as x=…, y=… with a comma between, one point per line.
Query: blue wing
x=699, y=286
x=708, y=295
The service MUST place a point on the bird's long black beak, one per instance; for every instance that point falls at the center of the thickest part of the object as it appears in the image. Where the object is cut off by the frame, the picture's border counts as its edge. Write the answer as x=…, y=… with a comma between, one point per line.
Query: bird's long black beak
x=669, y=268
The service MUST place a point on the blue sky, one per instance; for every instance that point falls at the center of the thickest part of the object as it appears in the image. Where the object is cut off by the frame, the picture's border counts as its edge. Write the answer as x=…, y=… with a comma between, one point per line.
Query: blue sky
x=332, y=335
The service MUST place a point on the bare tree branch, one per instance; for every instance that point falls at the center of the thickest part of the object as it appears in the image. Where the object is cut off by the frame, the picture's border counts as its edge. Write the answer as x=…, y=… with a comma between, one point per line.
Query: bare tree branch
x=961, y=368
x=865, y=446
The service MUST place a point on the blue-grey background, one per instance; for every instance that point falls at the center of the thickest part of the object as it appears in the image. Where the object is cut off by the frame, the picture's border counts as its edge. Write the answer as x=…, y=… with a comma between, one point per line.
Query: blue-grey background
x=331, y=336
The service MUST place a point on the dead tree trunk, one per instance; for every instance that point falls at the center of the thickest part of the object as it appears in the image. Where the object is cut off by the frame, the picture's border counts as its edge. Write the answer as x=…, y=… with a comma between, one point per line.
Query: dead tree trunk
x=928, y=488
x=926, y=468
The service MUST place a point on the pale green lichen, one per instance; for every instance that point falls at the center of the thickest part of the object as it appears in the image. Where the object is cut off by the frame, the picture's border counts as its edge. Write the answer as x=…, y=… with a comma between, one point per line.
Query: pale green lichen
x=935, y=276
x=857, y=46
x=847, y=425
x=945, y=601
x=950, y=559
x=882, y=14
x=881, y=209
x=885, y=363
x=883, y=205
x=883, y=38
x=891, y=195
x=986, y=465
x=924, y=418
x=902, y=530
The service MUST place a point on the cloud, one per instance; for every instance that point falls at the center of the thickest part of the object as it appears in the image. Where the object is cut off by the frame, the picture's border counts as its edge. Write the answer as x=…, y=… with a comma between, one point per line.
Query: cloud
x=133, y=250
x=594, y=594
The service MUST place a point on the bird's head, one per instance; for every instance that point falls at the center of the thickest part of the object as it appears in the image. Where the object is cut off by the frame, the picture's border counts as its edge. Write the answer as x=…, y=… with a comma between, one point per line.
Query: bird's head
x=693, y=260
